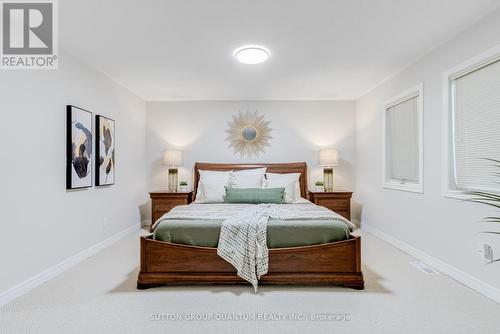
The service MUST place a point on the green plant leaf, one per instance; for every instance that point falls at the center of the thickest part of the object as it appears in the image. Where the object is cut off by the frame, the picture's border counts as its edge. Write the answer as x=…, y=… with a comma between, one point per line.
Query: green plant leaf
x=493, y=160
x=486, y=198
x=482, y=194
x=492, y=219
x=490, y=262
x=484, y=202
x=489, y=232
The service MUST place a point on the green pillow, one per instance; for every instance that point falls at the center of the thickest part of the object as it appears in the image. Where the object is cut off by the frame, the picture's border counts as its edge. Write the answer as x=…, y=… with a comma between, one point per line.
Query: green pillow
x=255, y=195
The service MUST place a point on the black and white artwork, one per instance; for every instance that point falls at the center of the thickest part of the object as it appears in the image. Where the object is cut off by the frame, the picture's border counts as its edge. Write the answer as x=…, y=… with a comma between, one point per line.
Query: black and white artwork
x=78, y=148
x=105, y=151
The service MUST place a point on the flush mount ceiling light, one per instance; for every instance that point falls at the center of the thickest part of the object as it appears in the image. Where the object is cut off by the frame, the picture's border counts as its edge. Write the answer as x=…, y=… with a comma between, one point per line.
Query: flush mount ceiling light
x=252, y=54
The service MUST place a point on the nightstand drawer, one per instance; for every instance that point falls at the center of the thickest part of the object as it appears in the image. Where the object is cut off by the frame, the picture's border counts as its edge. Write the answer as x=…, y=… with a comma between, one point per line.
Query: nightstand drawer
x=333, y=204
x=338, y=201
x=160, y=210
x=168, y=205
x=163, y=202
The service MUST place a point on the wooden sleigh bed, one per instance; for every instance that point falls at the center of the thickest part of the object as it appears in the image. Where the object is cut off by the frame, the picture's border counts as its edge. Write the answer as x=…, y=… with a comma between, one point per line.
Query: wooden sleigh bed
x=337, y=263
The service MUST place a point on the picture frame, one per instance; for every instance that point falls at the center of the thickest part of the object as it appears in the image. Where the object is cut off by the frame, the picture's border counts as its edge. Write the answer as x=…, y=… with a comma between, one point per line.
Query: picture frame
x=78, y=148
x=105, y=162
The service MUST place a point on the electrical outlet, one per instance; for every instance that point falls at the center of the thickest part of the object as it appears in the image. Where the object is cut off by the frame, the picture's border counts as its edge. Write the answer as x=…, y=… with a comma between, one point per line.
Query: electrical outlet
x=487, y=253
x=104, y=223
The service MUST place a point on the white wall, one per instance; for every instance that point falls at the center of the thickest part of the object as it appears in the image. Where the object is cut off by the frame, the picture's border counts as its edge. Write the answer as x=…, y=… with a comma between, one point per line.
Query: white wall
x=300, y=129
x=444, y=228
x=42, y=224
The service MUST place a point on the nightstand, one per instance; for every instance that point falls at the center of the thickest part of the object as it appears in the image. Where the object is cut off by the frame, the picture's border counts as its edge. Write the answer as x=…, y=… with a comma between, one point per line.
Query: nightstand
x=338, y=201
x=163, y=201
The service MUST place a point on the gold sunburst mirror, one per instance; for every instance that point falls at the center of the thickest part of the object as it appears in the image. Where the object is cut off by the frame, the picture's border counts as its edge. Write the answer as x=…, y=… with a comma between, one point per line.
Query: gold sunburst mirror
x=249, y=133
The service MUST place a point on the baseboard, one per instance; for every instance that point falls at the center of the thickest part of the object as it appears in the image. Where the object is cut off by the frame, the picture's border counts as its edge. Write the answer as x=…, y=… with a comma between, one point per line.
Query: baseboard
x=23, y=287
x=458, y=275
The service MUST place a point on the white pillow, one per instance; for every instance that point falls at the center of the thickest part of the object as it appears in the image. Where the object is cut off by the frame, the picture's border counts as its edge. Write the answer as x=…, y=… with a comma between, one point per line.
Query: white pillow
x=289, y=181
x=253, y=171
x=210, y=175
x=248, y=178
x=213, y=190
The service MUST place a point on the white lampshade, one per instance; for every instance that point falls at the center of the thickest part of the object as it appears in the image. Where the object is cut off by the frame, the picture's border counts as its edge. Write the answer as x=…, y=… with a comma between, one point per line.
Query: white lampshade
x=172, y=158
x=329, y=158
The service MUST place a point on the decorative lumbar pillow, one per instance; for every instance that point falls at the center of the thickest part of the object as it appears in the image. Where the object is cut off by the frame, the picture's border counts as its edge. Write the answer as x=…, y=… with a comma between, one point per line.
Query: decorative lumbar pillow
x=248, y=178
x=290, y=181
x=212, y=177
x=255, y=195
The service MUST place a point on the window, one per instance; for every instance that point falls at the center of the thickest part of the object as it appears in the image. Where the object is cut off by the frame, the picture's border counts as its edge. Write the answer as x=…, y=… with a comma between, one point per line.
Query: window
x=473, y=125
x=403, y=142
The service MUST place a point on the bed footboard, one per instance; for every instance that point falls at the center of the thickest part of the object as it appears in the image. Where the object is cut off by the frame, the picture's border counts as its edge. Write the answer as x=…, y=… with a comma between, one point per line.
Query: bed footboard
x=336, y=263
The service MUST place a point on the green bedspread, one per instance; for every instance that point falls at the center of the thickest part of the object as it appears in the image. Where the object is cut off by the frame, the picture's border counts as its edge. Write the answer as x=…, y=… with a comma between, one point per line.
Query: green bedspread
x=289, y=233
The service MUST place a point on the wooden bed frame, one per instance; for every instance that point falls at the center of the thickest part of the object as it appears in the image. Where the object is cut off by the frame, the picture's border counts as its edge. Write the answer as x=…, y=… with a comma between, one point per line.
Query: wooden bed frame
x=336, y=263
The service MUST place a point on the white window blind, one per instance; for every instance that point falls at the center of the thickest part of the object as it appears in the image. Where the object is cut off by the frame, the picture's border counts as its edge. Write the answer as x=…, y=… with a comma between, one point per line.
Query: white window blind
x=402, y=151
x=476, y=128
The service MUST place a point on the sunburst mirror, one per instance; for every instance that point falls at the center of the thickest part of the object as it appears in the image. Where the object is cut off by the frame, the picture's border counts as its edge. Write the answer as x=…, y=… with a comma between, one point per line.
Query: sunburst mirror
x=249, y=133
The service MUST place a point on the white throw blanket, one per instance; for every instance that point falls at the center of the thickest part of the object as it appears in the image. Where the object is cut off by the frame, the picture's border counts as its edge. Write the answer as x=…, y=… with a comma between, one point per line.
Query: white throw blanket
x=243, y=242
x=243, y=235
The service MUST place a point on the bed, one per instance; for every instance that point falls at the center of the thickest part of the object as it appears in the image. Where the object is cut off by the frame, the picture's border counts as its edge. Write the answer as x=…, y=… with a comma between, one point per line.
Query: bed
x=305, y=253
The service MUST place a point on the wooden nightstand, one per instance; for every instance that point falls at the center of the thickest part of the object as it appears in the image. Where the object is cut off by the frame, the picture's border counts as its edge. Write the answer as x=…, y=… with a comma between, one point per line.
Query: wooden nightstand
x=338, y=201
x=162, y=202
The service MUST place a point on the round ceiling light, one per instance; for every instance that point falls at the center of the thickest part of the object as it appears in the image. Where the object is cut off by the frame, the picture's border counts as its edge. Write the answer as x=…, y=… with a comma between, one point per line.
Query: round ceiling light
x=252, y=54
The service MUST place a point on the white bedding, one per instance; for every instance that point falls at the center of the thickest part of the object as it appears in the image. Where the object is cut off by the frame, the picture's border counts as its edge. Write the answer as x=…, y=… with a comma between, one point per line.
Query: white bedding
x=222, y=211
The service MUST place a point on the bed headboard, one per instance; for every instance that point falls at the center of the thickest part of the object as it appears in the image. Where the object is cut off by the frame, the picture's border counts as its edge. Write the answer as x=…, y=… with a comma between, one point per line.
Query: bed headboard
x=282, y=168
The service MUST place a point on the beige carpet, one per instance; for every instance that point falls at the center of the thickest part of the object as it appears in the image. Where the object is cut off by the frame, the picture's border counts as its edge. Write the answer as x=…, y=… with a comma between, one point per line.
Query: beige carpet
x=99, y=296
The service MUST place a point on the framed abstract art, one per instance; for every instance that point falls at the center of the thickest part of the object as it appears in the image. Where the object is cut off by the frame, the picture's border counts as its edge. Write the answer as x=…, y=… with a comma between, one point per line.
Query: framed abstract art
x=78, y=148
x=105, y=151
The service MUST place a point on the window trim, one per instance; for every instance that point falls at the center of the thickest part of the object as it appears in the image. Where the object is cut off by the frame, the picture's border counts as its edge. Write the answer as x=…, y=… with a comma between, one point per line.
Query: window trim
x=473, y=64
x=416, y=91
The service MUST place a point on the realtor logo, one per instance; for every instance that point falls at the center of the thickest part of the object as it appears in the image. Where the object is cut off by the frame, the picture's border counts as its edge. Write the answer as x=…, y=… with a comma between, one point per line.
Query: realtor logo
x=29, y=34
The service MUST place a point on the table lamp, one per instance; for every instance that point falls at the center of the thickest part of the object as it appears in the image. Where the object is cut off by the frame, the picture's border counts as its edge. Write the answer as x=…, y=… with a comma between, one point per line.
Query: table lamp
x=328, y=158
x=172, y=158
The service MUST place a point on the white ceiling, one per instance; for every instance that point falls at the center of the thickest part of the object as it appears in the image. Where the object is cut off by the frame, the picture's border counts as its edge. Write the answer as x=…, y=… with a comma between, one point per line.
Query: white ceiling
x=321, y=49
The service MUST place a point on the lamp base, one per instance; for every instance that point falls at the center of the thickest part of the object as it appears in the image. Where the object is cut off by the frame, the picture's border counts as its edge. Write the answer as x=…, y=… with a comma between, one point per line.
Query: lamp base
x=172, y=179
x=328, y=179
